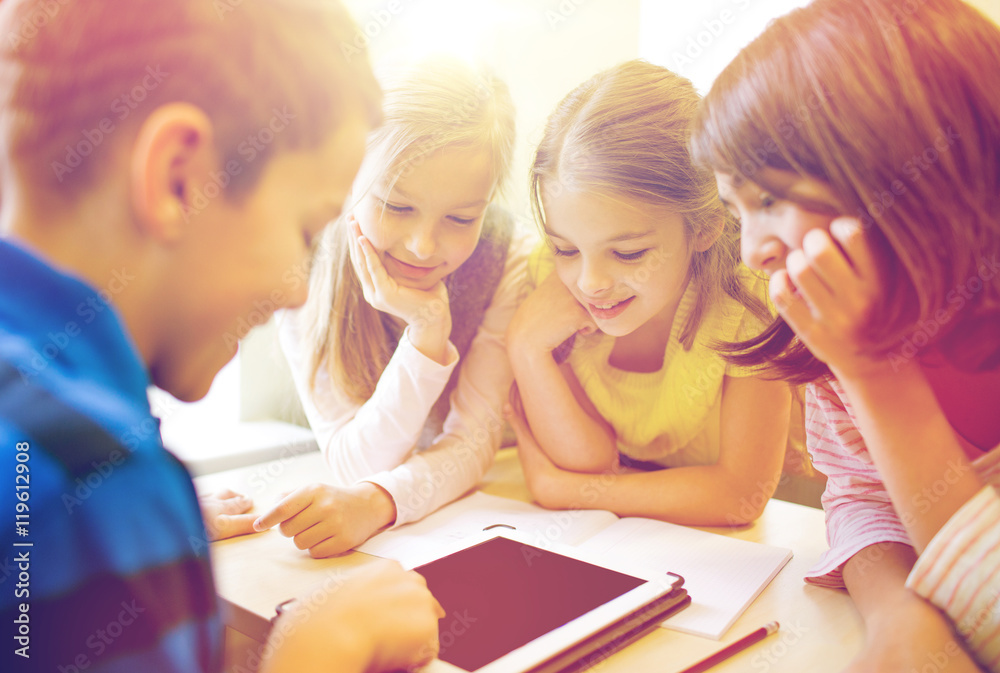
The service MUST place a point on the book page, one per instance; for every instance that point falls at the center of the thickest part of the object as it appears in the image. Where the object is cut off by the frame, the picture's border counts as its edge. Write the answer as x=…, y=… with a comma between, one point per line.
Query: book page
x=423, y=540
x=723, y=575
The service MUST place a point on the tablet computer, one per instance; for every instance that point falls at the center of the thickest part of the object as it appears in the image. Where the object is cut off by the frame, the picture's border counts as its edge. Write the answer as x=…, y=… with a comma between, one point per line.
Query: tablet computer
x=514, y=607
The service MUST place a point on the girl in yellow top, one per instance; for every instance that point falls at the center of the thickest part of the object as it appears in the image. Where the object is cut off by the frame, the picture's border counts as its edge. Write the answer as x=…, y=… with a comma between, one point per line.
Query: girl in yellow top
x=647, y=287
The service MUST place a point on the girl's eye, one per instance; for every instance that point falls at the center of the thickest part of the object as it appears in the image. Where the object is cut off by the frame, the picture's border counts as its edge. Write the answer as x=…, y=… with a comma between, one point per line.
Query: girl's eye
x=766, y=200
x=563, y=253
x=631, y=256
x=463, y=220
x=392, y=208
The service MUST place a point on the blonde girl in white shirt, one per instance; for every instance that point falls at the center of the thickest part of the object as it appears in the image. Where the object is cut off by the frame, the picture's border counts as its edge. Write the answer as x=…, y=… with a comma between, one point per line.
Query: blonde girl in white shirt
x=399, y=353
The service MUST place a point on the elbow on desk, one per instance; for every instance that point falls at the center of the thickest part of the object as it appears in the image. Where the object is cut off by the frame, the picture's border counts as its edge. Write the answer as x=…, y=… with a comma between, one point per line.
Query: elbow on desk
x=740, y=508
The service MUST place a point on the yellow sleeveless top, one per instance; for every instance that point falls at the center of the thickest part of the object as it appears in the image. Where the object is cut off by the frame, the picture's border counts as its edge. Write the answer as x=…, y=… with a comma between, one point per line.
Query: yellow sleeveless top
x=671, y=416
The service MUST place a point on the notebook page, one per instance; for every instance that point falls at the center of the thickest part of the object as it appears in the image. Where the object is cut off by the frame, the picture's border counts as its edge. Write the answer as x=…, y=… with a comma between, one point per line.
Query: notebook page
x=428, y=538
x=723, y=575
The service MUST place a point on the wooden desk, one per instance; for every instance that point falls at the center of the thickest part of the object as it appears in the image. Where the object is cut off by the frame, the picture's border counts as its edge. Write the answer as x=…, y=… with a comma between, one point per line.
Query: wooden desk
x=820, y=628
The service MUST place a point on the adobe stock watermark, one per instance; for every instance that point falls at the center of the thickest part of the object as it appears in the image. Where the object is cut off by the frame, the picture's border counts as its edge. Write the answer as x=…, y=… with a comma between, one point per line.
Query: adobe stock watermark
x=369, y=27
x=913, y=169
x=34, y=22
x=249, y=150
x=119, y=110
x=86, y=312
x=466, y=452
x=711, y=29
x=957, y=298
x=291, y=620
x=791, y=122
x=103, y=638
x=131, y=439
x=452, y=627
x=901, y=12
x=775, y=651
x=560, y=13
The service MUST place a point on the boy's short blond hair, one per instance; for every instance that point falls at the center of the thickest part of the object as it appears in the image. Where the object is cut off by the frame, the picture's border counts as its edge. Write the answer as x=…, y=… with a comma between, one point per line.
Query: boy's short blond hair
x=75, y=75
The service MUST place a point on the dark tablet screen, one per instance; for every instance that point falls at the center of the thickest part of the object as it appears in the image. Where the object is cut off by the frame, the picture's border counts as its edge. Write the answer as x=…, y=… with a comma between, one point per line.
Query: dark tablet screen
x=501, y=594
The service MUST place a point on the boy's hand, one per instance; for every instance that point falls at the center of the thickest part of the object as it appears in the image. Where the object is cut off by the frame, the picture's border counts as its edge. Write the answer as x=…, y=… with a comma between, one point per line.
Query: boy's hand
x=225, y=514
x=422, y=310
x=827, y=293
x=381, y=619
x=329, y=520
x=549, y=316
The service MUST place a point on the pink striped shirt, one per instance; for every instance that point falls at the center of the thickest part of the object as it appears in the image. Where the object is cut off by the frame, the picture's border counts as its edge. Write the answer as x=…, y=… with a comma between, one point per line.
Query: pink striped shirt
x=959, y=571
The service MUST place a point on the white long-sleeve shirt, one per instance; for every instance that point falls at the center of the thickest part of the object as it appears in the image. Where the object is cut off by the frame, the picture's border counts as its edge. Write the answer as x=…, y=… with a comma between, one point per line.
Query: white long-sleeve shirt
x=377, y=441
x=958, y=572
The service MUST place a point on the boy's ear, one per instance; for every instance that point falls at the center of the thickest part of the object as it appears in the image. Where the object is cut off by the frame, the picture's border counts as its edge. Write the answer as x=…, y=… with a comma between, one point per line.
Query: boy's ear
x=173, y=152
x=709, y=235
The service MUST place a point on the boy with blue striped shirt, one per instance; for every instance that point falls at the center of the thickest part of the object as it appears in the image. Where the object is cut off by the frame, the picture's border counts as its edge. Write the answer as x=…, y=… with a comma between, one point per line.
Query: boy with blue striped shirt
x=137, y=237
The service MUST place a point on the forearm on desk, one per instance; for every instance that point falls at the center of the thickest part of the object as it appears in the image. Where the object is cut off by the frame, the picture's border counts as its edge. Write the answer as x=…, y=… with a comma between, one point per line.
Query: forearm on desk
x=876, y=576
x=703, y=495
x=570, y=436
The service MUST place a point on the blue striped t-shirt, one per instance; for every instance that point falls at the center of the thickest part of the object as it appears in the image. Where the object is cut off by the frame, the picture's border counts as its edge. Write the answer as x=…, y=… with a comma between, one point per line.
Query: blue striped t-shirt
x=104, y=563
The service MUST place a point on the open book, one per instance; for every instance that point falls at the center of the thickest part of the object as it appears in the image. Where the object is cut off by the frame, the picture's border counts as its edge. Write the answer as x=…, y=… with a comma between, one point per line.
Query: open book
x=722, y=574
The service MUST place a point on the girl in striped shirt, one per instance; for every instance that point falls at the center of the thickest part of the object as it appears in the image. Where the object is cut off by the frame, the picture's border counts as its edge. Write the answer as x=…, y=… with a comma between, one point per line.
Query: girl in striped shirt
x=859, y=143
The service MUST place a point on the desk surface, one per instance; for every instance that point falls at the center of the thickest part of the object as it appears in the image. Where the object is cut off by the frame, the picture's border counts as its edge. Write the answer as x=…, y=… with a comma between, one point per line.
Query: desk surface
x=820, y=628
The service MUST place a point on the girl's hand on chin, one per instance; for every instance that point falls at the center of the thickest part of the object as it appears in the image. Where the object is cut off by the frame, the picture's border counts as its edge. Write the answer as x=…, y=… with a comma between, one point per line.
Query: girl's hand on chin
x=548, y=317
x=421, y=308
x=827, y=293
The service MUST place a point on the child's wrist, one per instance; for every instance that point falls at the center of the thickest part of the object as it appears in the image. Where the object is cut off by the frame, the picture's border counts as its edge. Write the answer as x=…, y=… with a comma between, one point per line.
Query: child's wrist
x=380, y=504
x=431, y=339
x=863, y=368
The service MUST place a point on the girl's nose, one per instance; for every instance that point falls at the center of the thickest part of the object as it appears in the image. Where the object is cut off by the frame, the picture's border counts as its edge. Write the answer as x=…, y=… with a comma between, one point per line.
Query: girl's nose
x=761, y=250
x=593, y=280
x=421, y=241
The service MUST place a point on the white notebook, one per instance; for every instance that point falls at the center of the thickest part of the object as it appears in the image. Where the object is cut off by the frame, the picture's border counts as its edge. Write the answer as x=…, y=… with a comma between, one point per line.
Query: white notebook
x=723, y=575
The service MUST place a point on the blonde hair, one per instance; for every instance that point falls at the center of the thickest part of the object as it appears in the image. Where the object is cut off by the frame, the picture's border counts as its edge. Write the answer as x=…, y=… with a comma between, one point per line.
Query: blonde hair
x=624, y=133
x=435, y=105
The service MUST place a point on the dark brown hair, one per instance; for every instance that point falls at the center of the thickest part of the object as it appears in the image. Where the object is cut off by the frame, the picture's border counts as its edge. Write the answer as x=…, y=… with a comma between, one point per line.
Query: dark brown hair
x=896, y=106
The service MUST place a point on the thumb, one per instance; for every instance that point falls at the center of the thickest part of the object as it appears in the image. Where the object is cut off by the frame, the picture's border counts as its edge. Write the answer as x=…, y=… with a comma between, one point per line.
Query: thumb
x=231, y=525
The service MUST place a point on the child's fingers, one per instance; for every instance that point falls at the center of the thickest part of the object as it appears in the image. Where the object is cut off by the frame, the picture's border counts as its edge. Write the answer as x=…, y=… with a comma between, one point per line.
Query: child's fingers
x=376, y=270
x=808, y=285
x=310, y=536
x=850, y=236
x=789, y=303
x=234, y=504
x=827, y=260
x=361, y=265
x=230, y=525
x=357, y=256
x=330, y=546
x=284, y=510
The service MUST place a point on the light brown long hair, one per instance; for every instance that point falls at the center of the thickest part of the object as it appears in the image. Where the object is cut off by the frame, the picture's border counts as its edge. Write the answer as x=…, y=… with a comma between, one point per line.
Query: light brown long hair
x=106, y=64
x=624, y=133
x=435, y=105
x=897, y=109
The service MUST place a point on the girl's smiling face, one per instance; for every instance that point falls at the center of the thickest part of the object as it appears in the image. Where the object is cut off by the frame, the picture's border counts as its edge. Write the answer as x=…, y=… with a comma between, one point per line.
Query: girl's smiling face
x=626, y=264
x=773, y=222
x=429, y=222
